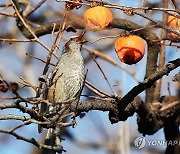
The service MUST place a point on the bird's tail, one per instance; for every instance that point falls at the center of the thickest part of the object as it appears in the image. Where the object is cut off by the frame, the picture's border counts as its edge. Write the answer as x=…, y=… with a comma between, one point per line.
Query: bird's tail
x=43, y=110
x=52, y=140
x=49, y=141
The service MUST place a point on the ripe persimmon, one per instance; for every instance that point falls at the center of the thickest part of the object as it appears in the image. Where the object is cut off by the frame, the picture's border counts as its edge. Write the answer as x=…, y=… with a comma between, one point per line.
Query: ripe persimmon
x=174, y=23
x=130, y=49
x=97, y=18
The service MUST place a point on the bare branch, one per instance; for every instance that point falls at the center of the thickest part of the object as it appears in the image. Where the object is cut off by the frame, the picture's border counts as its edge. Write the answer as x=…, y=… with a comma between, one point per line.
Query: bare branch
x=147, y=83
x=32, y=141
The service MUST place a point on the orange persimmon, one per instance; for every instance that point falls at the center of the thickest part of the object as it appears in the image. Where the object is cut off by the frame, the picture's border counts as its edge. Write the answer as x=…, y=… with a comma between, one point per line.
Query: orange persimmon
x=130, y=49
x=97, y=18
x=174, y=23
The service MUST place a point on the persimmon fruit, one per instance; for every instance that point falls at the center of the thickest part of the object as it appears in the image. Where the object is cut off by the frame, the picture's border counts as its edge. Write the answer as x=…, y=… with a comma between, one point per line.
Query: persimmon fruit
x=97, y=18
x=130, y=49
x=174, y=23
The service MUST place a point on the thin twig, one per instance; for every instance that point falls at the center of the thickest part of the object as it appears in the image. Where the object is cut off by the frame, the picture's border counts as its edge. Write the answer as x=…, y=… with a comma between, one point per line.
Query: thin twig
x=27, y=26
x=28, y=84
x=20, y=125
x=36, y=7
x=110, y=60
x=15, y=40
x=6, y=14
x=96, y=90
x=105, y=77
x=14, y=117
x=31, y=140
x=119, y=35
x=38, y=59
x=111, y=5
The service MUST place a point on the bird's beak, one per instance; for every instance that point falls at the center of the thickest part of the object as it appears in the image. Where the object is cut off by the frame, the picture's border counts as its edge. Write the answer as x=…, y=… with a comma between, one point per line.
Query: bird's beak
x=79, y=38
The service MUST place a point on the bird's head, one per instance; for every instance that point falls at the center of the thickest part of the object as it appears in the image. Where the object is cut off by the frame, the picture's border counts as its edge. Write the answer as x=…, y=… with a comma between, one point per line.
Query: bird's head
x=75, y=43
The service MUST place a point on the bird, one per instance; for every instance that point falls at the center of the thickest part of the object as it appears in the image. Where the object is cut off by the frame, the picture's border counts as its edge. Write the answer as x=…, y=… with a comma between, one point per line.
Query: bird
x=68, y=76
x=66, y=81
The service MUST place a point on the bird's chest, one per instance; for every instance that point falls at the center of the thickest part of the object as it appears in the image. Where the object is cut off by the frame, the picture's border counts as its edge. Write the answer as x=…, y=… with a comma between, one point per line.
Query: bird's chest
x=68, y=79
x=72, y=75
x=71, y=70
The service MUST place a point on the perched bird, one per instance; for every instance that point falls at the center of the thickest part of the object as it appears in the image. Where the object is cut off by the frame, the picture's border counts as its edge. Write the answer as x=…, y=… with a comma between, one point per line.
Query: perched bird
x=67, y=79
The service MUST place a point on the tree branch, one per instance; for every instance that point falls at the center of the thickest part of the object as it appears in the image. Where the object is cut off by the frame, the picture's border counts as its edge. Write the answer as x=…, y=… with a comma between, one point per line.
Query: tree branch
x=32, y=141
x=147, y=83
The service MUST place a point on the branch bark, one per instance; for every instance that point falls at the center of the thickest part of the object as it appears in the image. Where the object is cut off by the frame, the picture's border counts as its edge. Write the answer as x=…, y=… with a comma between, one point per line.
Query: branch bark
x=147, y=83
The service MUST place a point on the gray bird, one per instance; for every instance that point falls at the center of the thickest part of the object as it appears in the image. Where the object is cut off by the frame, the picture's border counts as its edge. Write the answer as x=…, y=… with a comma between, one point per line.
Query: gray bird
x=67, y=79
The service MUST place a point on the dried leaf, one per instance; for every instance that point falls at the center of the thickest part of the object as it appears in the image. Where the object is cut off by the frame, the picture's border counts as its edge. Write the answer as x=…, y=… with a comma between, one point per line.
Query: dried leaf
x=13, y=86
x=129, y=12
x=176, y=78
x=75, y=4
